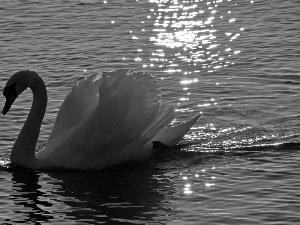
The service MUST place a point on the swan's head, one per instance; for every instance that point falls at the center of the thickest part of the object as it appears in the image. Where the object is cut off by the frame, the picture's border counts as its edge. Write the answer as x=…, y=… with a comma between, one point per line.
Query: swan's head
x=18, y=83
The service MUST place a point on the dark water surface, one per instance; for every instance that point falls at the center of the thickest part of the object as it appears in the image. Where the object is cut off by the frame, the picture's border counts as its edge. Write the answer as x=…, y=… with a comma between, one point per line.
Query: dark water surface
x=235, y=61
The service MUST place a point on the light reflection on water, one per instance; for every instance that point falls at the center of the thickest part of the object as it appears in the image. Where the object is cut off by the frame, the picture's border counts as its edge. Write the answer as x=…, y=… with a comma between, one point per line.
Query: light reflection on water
x=191, y=38
x=193, y=32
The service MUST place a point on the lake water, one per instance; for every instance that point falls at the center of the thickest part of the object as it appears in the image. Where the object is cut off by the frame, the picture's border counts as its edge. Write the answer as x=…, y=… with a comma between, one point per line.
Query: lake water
x=235, y=61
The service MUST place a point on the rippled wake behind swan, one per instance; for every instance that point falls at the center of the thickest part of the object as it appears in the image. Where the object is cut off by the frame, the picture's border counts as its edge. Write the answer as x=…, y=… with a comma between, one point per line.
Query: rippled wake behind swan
x=104, y=120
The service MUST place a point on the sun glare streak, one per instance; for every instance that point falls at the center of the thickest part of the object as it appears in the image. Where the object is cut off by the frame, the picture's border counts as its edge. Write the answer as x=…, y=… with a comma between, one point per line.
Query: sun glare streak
x=195, y=29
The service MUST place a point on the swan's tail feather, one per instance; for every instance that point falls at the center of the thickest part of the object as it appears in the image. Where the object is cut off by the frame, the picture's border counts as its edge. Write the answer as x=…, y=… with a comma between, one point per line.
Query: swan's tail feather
x=164, y=116
x=172, y=135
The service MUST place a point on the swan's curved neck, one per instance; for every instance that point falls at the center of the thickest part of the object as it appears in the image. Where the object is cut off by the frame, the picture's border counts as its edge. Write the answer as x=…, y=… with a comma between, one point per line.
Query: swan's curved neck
x=23, y=151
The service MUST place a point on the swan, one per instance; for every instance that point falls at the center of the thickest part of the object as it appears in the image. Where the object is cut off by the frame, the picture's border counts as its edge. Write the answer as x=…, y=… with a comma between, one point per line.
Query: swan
x=104, y=120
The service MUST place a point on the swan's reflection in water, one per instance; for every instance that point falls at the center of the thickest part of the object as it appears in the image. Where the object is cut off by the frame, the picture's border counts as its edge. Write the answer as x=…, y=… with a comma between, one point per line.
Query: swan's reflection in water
x=27, y=193
x=165, y=189
x=121, y=194
x=161, y=188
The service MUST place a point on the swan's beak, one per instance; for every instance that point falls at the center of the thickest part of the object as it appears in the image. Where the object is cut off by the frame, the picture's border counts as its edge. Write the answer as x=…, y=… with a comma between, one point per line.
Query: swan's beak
x=7, y=105
x=11, y=95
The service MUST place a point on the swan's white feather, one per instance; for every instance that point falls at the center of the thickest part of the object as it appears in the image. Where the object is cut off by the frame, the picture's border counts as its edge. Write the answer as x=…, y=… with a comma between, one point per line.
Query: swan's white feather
x=78, y=103
x=112, y=131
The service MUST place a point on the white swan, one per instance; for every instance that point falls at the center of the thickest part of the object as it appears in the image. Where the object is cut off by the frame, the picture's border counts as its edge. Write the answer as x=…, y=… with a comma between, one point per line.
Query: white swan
x=103, y=121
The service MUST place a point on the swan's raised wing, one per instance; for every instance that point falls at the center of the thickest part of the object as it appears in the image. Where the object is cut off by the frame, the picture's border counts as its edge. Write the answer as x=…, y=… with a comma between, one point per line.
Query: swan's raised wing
x=78, y=103
x=128, y=103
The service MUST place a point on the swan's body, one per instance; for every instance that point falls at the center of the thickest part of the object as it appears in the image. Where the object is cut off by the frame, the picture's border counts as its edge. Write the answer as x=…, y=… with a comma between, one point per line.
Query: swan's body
x=103, y=121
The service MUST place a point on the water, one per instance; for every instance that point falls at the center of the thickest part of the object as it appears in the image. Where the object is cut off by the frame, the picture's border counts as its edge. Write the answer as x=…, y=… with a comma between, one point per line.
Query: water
x=235, y=61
